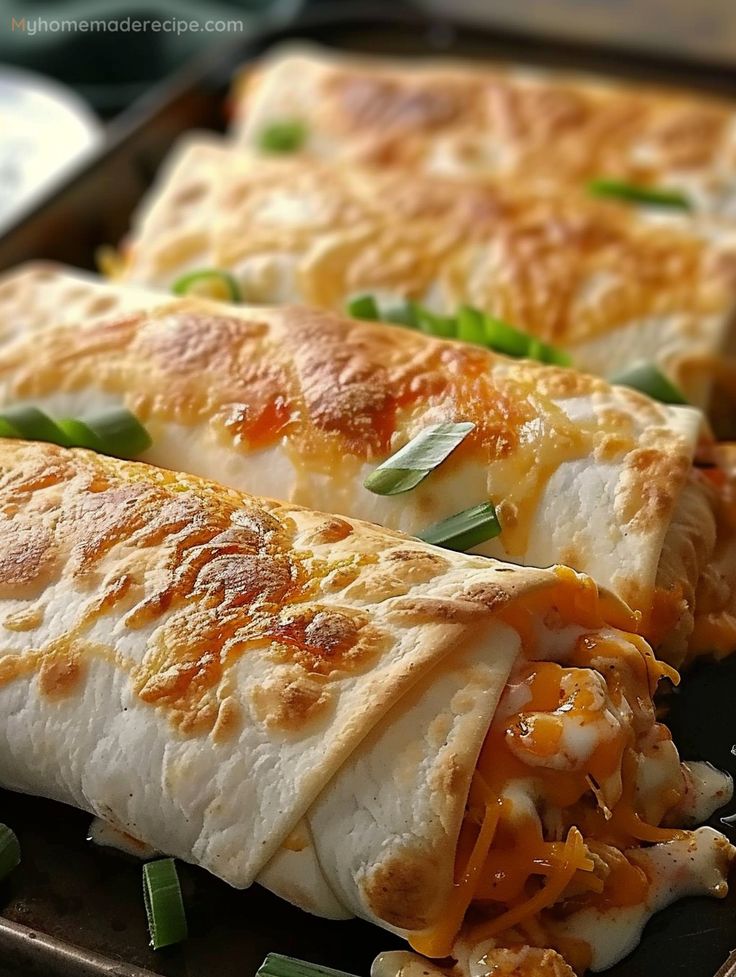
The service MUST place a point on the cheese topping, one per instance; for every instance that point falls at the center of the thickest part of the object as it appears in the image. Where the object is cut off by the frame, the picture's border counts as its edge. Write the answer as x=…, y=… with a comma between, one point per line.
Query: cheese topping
x=460, y=118
x=559, y=264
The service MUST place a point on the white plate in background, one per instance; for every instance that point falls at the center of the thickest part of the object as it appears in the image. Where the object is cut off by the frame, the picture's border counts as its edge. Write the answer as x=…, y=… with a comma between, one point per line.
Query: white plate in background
x=45, y=130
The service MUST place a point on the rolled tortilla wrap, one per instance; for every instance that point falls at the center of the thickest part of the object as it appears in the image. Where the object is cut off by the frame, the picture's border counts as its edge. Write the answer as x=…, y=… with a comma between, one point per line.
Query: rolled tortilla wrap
x=316, y=703
x=607, y=283
x=453, y=117
x=303, y=404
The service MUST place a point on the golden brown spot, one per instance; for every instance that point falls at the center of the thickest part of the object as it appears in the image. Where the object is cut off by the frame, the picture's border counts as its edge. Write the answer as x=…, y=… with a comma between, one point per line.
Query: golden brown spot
x=332, y=531
x=102, y=305
x=229, y=720
x=400, y=889
x=382, y=103
x=449, y=777
x=26, y=619
x=289, y=699
x=59, y=677
x=649, y=486
x=27, y=556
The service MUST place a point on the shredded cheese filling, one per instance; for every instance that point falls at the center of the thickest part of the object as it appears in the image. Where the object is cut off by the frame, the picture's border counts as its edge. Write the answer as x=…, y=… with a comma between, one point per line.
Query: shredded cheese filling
x=557, y=799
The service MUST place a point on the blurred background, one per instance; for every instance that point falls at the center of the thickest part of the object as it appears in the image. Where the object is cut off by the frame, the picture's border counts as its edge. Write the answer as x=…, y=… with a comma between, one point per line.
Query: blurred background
x=110, y=68
x=63, y=76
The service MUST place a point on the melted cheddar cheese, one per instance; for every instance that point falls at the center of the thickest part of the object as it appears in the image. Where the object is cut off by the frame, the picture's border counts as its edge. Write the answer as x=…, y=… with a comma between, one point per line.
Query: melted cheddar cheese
x=558, y=798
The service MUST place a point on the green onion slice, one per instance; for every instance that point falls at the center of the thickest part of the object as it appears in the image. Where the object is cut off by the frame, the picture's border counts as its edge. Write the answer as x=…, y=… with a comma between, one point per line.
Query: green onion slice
x=637, y=194
x=647, y=379
x=443, y=326
x=9, y=851
x=119, y=432
x=412, y=463
x=215, y=278
x=469, y=325
x=114, y=432
x=167, y=921
x=284, y=136
x=31, y=424
x=277, y=965
x=465, y=529
x=364, y=307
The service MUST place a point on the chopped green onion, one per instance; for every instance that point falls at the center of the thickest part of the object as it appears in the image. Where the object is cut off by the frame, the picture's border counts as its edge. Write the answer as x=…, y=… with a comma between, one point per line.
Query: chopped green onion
x=277, y=965
x=228, y=287
x=78, y=434
x=167, y=921
x=647, y=379
x=9, y=851
x=285, y=136
x=465, y=529
x=114, y=432
x=443, y=326
x=637, y=194
x=119, y=433
x=412, y=463
x=31, y=424
x=503, y=338
x=469, y=325
x=402, y=315
x=364, y=307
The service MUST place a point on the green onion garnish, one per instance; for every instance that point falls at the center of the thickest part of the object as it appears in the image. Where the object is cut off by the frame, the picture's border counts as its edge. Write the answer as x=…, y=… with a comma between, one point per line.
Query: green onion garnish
x=119, y=433
x=637, y=194
x=276, y=965
x=9, y=851
x=114, y=432
x=226, y=286
x=412, y=463
x=364, y=307
x=31, y=424
x=465, y=529
x=167, y=921
x=469, y=325
x=647, y=379
x=285, y=136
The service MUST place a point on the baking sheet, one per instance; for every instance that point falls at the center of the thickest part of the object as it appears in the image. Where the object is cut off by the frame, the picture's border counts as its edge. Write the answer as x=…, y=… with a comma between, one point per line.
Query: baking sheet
x=81, y=896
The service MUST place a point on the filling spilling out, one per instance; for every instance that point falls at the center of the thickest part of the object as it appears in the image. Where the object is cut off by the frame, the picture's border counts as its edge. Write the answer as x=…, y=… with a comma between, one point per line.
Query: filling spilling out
x=574, y=813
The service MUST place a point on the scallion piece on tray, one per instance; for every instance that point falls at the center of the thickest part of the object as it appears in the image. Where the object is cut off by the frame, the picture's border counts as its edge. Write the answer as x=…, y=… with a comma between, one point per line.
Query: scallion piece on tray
x=465, y=529
x=412, y=463
x=114, y=431
x=277, y=965
x=647, y=379
x=637, y=194
x=167, y=921
x=219, y=284
x=284, y=136
x=9, y=851
x=364, y=307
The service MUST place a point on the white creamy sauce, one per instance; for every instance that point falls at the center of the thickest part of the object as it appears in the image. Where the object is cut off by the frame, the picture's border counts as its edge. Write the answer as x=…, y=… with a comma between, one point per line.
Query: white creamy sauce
x=707, y=789
x=403, y=963
x=268, y=279
x=104, y=834
x=679, y=868
x=45, y=130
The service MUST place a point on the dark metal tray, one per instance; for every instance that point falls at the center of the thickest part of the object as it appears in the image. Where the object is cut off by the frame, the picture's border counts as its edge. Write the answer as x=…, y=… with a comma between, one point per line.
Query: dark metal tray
x=76, y=911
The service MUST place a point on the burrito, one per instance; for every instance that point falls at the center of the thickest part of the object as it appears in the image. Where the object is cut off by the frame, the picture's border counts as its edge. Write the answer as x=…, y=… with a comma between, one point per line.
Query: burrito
x=601, y=281
x=460, y=750
x=310, y=406
x=532, y=123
